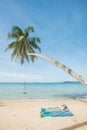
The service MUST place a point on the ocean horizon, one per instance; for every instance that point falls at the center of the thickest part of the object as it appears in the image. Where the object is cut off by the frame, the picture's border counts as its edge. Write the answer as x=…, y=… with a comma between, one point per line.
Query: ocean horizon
x=39, y=90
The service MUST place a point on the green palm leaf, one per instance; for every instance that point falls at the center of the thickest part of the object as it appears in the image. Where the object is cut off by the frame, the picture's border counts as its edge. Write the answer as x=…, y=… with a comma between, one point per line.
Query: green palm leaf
x=12, y=45
x=28, y=29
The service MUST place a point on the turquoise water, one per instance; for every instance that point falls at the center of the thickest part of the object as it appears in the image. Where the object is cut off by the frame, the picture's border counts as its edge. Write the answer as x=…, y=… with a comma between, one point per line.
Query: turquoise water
x=42, y=90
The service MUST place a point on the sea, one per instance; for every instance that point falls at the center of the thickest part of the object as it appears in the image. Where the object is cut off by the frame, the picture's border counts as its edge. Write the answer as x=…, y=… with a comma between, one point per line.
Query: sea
x=22, y=91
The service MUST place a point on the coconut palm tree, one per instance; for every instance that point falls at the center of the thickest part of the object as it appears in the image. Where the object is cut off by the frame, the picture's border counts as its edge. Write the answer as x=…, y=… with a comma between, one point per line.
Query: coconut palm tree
x=22, y=45
x=24, y=49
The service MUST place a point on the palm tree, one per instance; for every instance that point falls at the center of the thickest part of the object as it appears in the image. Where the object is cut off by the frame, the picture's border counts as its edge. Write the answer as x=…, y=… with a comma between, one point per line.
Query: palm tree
x=22, y=45
x=24, y=49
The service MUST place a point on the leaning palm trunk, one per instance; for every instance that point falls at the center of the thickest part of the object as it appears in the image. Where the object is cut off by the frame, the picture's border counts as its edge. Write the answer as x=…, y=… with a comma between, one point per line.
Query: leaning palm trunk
x=63, y=67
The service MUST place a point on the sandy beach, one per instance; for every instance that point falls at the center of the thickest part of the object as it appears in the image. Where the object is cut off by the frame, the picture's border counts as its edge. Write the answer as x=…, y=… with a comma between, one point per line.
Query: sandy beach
x=25, y=115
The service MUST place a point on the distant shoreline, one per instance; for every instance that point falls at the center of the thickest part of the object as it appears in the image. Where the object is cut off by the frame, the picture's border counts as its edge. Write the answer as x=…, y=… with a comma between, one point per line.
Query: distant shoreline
x=39, y=82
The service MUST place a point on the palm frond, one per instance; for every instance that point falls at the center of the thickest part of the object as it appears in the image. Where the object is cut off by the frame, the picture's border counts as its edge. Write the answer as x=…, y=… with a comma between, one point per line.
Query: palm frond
x=33, y=42
x=15, y=32
x=17, y=29
x=27, y=30
x=26, y=56
x=35, y=39
x=12, y=35
x=35, y=46
x=15, y=52
x=38, y=40
x=10, y=46
x=31, y=50
x=21, y=60
x=21, y=48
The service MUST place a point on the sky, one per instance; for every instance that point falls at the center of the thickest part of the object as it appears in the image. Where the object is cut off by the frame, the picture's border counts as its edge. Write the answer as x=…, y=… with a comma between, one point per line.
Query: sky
x=62, y=27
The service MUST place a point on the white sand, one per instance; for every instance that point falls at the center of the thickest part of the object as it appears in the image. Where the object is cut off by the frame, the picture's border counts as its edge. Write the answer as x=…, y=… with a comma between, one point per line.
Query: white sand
x=25, y=115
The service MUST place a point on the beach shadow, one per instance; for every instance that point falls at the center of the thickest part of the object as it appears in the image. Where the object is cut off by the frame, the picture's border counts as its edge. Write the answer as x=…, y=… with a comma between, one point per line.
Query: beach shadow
x=80, y=100
x=75, y=126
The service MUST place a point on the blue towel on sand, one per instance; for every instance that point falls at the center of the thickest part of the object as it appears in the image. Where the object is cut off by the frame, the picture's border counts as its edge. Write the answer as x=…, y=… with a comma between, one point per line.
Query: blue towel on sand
x=51, y=113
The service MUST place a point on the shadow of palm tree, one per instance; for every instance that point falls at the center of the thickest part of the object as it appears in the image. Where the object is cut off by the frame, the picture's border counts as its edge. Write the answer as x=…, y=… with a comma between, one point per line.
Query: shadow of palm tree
x=81, y=100
x=75, y=126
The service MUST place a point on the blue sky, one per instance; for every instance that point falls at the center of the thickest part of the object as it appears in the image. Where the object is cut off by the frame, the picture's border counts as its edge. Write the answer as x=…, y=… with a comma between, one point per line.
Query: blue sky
x=62, y=28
